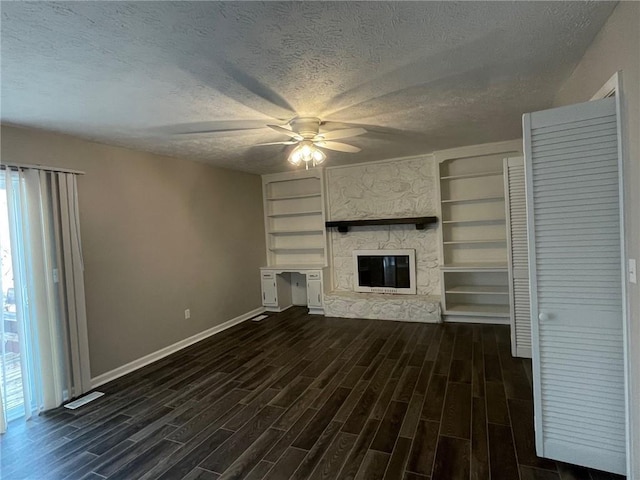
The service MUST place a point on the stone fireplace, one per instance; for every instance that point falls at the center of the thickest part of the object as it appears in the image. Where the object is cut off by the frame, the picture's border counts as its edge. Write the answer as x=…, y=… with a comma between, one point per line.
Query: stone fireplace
x=388, y=189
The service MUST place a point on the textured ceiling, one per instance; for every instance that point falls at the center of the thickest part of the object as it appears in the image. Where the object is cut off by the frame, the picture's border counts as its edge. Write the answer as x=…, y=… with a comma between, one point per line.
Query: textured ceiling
x=420, y=76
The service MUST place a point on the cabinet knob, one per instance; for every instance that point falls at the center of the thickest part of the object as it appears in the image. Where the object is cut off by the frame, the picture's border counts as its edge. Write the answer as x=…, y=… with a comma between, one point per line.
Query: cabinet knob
x=544, y=317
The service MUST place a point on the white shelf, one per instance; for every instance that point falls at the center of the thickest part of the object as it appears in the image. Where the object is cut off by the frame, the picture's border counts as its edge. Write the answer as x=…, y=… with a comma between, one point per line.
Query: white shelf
x=474, y=199
x=478, y=310
x=479, y=290
x=297, y=232
x=294, y=214
x=296, y=249
x=475, y=242
x=293, y=197
x=478, y=221
x=473, y=175
x=475, y=267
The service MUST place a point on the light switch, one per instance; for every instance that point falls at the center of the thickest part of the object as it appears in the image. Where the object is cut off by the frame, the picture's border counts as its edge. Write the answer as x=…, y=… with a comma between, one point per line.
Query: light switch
x=632, y=271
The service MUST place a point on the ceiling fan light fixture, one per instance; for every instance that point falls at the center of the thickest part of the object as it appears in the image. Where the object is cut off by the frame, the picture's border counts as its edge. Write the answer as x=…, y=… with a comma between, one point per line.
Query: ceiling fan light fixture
x=318, y=157
x=295, y=157
x=308, y=153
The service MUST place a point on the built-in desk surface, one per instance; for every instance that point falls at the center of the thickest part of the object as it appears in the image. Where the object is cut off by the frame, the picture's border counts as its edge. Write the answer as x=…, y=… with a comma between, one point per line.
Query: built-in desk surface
x=294, y=267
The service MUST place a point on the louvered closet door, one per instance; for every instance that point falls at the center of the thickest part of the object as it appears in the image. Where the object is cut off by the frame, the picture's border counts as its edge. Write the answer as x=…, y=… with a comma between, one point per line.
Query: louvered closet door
x=516, y=204
x=573, y=191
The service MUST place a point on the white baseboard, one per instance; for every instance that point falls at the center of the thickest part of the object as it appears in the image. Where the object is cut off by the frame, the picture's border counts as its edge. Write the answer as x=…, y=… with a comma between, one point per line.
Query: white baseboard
x=163, y=352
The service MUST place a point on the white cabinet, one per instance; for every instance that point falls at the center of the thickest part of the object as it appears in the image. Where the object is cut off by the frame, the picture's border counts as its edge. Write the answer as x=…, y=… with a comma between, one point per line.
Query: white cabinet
x=314, y=292
x=269, y=290
x=276, y=291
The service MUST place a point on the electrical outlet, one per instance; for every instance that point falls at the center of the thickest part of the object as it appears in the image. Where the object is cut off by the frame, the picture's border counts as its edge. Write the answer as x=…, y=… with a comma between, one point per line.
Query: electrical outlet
x=632, y=271
x=187, y=314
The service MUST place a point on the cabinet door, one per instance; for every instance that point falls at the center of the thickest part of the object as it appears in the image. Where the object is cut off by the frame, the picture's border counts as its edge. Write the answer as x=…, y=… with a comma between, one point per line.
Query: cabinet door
x=269, y=292
x=577, y=292
x=314, y=293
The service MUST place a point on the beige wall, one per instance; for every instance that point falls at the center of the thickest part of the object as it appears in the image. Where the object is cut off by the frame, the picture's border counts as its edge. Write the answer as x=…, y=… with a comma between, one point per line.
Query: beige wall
x=159, y=235
x=617, y=47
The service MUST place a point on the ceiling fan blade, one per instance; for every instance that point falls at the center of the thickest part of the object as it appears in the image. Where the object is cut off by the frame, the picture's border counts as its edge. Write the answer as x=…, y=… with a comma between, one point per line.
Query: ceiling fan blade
x=219, y=126
x=381, y=133
x=286, y=131
x=261, y=90
x=204, y=132
x=345, y=133
x=291, y=142
x=338, y=146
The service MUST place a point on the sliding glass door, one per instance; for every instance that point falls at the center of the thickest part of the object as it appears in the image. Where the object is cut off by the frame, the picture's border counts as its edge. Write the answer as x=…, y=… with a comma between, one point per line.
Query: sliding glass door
x=12, y=371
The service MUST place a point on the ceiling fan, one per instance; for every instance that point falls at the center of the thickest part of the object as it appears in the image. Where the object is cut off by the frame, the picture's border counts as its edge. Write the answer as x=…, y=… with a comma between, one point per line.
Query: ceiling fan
x=304, y=132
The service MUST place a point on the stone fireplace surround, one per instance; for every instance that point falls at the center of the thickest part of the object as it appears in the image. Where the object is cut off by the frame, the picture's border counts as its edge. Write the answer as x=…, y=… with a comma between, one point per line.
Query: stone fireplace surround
x=387, y=189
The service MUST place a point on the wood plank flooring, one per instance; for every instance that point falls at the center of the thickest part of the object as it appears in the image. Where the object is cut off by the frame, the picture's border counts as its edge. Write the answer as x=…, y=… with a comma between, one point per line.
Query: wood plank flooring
x=304, y=397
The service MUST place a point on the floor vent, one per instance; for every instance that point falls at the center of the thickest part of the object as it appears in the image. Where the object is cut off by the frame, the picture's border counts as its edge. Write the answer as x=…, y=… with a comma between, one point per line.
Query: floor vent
x=258, y=318
x=83, y=400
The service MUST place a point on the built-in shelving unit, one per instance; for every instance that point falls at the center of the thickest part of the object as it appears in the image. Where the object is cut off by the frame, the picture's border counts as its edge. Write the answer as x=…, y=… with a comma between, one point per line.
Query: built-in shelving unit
x=474, y=237
x=296, y=241
x=294, y=218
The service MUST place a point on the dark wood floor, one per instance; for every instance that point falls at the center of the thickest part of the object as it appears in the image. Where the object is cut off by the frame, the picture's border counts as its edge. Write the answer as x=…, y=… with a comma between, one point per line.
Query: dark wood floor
x=298, y=396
